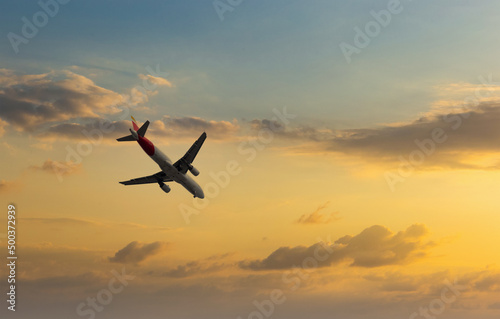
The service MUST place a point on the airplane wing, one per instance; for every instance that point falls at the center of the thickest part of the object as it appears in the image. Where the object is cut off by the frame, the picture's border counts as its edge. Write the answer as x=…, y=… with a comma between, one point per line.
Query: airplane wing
x=155, y=178
x=182, y=164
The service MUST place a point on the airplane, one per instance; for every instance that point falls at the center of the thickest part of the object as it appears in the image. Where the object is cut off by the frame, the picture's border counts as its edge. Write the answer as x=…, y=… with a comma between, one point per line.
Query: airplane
x=176, y=172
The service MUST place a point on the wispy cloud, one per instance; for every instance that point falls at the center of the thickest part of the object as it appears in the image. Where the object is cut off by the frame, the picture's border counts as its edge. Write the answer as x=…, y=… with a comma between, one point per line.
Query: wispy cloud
x=65, y=221
x=86, y=130
x=318, y=217
x=8, y=186
x=135, y=252
x=156, y=80
x=3, y=125
x=11, y=149
x=73, y=222
x=187, y=126
x=58, y=168
x=196, y=267
x=42, y=146
x=180, y=128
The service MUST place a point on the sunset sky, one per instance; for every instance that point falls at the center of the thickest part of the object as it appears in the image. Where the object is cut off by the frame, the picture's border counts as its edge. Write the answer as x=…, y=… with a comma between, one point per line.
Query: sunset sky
x=351, y=169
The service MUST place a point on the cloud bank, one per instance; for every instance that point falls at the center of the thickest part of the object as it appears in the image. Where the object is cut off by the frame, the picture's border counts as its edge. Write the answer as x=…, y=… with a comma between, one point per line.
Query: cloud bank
x=31, y=101
x=375, y=246
x=463, y=139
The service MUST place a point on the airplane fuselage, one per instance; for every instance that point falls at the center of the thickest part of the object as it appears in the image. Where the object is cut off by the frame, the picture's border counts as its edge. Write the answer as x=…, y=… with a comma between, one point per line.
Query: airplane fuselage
x=167, y=167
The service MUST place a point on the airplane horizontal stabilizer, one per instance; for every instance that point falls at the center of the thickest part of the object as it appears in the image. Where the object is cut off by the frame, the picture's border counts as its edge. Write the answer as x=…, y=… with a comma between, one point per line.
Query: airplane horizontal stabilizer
x=126, y=138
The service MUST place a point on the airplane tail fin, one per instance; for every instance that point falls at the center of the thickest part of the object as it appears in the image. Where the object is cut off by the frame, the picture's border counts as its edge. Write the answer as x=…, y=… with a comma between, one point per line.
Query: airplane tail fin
x=134, y=124
x=140, y=131
x=143, y=129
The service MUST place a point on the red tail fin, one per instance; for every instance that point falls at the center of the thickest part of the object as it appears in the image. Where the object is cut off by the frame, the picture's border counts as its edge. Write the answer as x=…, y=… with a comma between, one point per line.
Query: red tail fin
x=134, y=124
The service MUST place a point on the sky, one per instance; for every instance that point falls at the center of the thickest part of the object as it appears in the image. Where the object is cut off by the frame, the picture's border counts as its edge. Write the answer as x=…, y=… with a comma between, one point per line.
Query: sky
x=351, y=168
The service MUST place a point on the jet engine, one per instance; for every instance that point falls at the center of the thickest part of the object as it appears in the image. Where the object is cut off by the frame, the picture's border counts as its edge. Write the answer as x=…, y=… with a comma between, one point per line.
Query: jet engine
x=164, y=187
x=193, y=170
